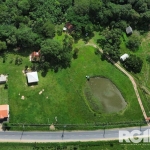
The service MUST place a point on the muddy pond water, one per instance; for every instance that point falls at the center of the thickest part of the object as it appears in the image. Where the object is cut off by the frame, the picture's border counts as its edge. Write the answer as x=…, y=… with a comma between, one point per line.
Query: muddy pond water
x=107, y=94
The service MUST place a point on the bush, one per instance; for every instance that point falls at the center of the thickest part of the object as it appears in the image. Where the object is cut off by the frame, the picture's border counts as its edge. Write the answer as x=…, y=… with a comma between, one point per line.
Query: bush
x=134, y=41
x=18, y=61
x=6, y=126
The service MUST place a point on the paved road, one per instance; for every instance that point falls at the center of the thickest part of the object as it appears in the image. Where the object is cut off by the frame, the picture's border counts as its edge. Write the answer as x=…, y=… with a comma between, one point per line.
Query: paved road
x=107, y=134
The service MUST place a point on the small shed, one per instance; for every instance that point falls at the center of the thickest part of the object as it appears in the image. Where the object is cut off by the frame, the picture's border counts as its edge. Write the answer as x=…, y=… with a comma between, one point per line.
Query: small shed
x=35, y=56
x=69, y=27
x=3, y=78
x=4, y=111
x=32, y=77
x=124, y=57
x=129, y=30
x=64, y=29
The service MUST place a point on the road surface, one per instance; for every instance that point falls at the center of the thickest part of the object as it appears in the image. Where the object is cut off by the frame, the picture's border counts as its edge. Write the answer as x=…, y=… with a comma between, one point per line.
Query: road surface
x=66, y=136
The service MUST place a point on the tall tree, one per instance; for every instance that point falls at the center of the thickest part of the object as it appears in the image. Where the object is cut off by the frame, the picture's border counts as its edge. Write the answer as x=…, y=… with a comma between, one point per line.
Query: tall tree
x=133, y=63
x=134, y=41
x=3, y=45
x=26, y=36
x=49, y=29
x=54, y=53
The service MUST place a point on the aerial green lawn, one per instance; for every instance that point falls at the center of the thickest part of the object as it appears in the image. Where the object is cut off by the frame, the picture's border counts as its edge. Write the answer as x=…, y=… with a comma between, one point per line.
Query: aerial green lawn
x=98, y=145
x=63, y=94
x=142, y=78
x=3, y=94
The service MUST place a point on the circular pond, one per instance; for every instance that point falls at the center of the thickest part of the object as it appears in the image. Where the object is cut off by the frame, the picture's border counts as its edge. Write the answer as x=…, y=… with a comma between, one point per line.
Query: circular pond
x=103, y=96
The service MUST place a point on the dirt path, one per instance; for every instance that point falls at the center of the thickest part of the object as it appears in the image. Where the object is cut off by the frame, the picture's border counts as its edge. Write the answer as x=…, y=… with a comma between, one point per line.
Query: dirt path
x=129, y=76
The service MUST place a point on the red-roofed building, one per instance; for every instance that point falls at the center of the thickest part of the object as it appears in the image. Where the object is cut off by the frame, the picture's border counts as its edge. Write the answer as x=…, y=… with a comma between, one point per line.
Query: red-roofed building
x=69, y=27
x=35, y=56
x=4, y=111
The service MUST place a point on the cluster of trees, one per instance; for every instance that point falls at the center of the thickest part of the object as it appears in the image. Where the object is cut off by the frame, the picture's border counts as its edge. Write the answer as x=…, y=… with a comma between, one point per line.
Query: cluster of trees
x=134, y=41
x=55, y=54
x=111, y=43
x=32, y=22
x=133, y=63
x=28, y=22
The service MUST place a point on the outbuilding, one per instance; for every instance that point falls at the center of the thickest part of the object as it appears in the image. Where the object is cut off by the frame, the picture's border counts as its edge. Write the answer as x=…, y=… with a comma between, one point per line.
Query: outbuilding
x=64, y=29
x=129, y=30
x=124, y=57
x=32, y=77
x=4, y=111
x=69, y=27
x=35, y=56
x=3, y=78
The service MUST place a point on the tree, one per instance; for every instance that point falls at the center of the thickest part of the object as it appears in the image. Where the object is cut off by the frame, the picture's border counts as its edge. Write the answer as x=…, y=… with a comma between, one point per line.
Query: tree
x=54, y=53
x=49, y=29
x=24, y=5
x=65, y=4
x=133, y=63
x=2, y=45
x=81, y=7
x=11, y=40
x=50, y=48
x=140, y=6
x=148, y=59
x=89, y=29
x=26, y=36
x=134, y=41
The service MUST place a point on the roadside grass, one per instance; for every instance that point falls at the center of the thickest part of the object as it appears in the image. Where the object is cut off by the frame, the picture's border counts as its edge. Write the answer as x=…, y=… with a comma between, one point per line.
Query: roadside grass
x=104, y=145
x=63, y=94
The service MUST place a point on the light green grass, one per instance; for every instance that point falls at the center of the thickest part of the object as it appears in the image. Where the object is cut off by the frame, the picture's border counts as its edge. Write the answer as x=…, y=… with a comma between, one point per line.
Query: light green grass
x=142, y=78
x=3, y=94
x=100, y=145
x=65, y=92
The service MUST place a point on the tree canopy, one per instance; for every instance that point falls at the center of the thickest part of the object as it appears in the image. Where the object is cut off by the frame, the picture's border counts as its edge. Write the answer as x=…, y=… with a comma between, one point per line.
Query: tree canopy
x=133, y=63
x=32, y=22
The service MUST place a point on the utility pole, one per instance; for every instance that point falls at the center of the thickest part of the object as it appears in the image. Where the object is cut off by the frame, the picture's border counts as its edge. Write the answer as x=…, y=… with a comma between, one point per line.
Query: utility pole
x=63, y=131
x=104, y=132
x=22, y=131
x=140, y=125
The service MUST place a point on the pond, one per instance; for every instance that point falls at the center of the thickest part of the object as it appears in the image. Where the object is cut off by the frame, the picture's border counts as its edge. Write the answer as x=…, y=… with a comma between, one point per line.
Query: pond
x=105, y=93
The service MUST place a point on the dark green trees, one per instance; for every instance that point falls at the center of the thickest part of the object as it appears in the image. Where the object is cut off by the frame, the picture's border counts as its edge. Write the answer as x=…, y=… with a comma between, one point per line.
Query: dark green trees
x=55, y=54
x=134, y=41
x=133, y=63
x=48, y=29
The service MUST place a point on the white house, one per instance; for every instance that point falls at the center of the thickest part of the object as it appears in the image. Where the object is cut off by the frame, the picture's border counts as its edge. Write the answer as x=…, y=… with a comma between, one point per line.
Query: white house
x=3, y=78
x=124, y=57
x=32, y=77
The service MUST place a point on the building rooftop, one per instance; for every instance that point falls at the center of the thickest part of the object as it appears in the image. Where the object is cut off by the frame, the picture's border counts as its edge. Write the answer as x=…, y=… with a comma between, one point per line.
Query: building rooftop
x=32, y=77
x=4, y=111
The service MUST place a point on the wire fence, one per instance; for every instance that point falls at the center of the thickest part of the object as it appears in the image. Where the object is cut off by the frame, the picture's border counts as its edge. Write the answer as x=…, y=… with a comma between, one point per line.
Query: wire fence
x=87, y=126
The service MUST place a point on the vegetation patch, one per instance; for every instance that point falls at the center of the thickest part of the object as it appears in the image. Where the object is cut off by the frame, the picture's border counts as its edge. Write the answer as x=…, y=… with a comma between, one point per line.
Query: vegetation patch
x=105, y=145
x=3, y=94
x=63, y=91
x=93, y=102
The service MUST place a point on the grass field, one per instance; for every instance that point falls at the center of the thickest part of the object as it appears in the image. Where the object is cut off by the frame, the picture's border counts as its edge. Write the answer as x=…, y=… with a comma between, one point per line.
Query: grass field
x=3, y=94
x=63, y=94
x=102, y=145
x=142, y=78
